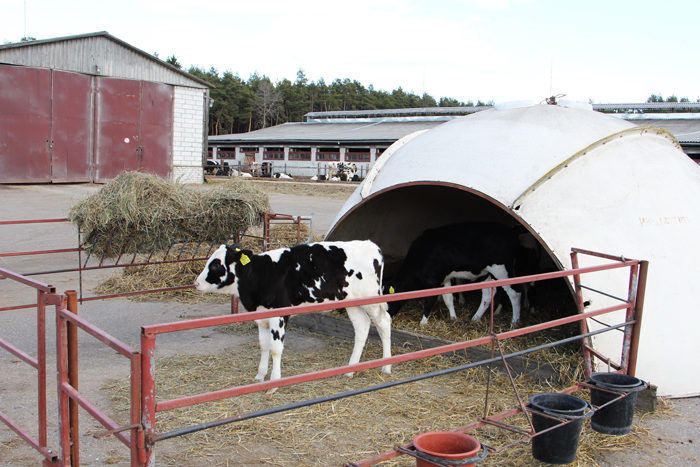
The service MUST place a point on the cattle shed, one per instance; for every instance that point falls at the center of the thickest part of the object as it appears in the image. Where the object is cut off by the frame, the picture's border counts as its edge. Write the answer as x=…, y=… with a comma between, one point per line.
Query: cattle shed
x=575, y=178
x=361, y=136
x=84, y=108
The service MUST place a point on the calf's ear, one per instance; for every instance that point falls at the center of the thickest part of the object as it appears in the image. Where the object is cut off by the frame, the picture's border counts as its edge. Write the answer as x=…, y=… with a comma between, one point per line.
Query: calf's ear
x=234, y=254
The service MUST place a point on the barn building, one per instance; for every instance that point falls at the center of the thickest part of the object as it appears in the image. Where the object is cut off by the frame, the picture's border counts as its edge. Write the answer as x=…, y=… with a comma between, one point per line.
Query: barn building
x=304, y=149
x=84, y=108
x=360, y=137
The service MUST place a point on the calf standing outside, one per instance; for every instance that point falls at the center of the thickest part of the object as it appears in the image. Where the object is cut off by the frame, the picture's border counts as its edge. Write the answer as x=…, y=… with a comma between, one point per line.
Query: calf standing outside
x=308, y=273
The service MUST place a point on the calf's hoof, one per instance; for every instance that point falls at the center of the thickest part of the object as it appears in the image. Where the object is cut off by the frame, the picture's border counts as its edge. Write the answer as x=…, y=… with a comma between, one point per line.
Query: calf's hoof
x=386, y=369
x=349, y=375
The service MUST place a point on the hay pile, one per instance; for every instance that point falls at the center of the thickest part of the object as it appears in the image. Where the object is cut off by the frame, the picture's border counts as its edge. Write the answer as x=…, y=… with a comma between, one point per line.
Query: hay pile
x=285, y=235
x=138, y=212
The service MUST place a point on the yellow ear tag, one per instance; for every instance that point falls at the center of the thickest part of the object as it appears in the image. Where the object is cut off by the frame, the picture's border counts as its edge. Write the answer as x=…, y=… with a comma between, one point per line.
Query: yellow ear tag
x=244, y=259
x=391, y=289
x=238, y=249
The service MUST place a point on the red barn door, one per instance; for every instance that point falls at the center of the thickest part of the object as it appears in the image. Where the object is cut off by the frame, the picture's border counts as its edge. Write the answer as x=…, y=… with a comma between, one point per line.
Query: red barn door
x=25, y=120
x=156, y=129
x=133, y=128
x=71, y=127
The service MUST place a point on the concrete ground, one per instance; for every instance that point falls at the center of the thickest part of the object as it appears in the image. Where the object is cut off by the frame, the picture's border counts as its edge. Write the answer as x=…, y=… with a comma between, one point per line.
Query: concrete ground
x=673, y=437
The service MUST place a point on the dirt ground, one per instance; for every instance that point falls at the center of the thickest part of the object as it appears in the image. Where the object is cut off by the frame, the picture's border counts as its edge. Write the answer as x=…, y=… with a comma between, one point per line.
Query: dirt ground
x=668, y=437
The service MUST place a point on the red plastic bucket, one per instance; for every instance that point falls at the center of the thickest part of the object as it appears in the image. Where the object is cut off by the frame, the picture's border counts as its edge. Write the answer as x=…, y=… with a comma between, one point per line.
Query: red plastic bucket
x=447, y=445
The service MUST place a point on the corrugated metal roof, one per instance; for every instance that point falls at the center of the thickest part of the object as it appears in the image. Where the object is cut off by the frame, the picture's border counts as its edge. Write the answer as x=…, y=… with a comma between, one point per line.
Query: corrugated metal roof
x=657, y=106
x=82, y=53
x=328, y=133
x=685, y=131
x=646, y=106
x=395, y=112
x=684, y=126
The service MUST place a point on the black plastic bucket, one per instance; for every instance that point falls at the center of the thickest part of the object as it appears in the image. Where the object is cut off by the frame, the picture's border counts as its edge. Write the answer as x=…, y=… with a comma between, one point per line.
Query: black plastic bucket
x=559, y=445
x=616, y=418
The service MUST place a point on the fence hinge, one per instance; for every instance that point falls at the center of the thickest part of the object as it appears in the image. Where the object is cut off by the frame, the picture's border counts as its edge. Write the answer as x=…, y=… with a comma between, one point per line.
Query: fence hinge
x=55, y=299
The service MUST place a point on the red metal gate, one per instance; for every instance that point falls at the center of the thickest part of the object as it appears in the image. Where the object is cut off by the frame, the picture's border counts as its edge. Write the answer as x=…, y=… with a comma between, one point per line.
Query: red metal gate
x=59, y=126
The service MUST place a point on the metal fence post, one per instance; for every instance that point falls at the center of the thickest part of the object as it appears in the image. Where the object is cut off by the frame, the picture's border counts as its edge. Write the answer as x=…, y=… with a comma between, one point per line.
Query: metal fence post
x=586, y=342
x=638, y=308
x=138, y=453
x=72, y=338
x=41, y=364
x=148, y=394
x=62, y=378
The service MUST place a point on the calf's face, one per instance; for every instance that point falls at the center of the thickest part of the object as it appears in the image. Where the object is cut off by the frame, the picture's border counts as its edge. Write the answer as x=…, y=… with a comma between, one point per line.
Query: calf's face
x=218, y=274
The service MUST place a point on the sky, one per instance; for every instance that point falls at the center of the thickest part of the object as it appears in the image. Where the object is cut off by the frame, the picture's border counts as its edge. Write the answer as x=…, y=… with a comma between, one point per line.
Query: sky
x=612, y=51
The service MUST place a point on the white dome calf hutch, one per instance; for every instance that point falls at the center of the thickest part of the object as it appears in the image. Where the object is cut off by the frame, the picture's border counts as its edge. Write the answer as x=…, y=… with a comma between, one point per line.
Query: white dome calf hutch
x=576, y=179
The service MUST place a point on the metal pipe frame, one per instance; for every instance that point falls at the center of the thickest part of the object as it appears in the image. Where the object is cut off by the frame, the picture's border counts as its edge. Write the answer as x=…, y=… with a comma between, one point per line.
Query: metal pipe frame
x=82, y=266
x=271, y=218
x=72, y=337
x=69, y=393
x=34, y=221
x=149, y=333
x=45, y=295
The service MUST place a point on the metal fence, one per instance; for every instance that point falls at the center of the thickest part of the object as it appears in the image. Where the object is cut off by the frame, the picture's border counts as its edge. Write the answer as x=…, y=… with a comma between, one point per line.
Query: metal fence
x=144, y=436
x=278, y=230
x=632, y=305
x=46, y=296
x=233, y=168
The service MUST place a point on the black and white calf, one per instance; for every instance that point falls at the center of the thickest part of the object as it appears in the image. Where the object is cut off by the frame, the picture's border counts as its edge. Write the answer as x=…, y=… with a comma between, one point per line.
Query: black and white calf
x=472, y=251
x=309, y=273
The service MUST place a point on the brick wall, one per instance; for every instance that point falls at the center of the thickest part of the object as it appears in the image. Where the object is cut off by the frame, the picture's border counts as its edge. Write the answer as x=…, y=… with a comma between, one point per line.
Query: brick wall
x=188, y=136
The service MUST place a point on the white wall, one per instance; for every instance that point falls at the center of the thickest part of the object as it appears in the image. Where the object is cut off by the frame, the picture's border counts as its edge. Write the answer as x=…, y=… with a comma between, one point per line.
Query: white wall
x=188, y=136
